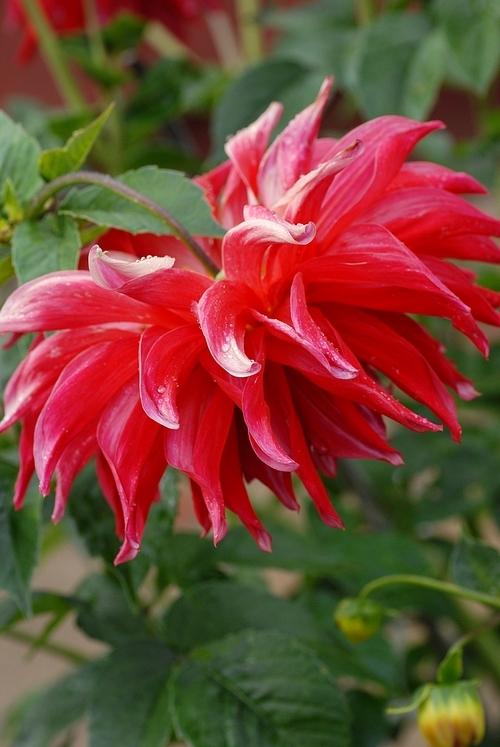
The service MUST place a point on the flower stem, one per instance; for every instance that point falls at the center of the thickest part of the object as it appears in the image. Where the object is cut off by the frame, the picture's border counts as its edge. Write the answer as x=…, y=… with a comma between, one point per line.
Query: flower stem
x=431, y=583
x=53, y=648
x=37, y=206
x=250, y=37
x=53, y=55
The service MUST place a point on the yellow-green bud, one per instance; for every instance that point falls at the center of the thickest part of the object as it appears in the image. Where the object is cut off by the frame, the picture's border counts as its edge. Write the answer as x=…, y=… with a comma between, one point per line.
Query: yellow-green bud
x=358, y=619
x=452, y=715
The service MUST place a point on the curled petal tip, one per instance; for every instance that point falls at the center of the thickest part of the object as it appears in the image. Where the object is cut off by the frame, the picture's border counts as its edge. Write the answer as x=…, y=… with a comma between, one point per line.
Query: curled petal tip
x=264, y=541
x=112, y=272
x=128, y=551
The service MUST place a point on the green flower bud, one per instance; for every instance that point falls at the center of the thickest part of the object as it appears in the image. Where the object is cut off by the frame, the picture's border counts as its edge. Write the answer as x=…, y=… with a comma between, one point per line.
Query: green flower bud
x=452, y=715
x=358, y=619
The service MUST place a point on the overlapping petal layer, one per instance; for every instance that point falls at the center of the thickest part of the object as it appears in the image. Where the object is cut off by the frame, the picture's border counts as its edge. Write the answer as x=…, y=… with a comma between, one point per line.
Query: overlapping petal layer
x=278, y=365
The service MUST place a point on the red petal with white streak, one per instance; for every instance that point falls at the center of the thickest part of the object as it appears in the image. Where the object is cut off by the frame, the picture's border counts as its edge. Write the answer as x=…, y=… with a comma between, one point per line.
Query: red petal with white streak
x=289, y=156
x=70, y=299
x=223, y=313
x=166, y=359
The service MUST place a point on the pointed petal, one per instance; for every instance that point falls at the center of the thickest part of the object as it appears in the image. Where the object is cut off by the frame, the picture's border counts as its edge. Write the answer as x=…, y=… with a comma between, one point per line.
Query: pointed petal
x=166, y=359
x=289, y=156
x=388, y=141
x=78, y=398
x=69, y=299
x=426, y=174
x=247, y=147
x=73, y=459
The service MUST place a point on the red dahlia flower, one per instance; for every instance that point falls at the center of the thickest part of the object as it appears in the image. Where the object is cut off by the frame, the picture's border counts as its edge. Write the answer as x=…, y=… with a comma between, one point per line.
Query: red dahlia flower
x=272, y=367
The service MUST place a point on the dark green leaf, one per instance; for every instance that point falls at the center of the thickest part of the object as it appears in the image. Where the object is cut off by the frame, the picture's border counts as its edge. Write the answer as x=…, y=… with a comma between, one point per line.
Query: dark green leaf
x=386, y=60
x=124, y=32
x=58, y=161
x=170, y=189
x=451, y=668
x=6, y=269
x=129, y=705
x=186, y=560
x=476, y=565
x=19, y=540
x=55, y=709
x=43, y=246
x=287, y=81
x=105, y=613
x=214, y=609
x=18, y=158
x=258, y=689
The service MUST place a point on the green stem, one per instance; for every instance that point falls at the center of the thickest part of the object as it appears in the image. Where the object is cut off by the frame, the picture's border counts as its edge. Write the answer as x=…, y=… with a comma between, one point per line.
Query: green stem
x=52, y=53
x=247, y=14
x=364, y=11
x=53, y=648
x=37, y=206
x=430, y=583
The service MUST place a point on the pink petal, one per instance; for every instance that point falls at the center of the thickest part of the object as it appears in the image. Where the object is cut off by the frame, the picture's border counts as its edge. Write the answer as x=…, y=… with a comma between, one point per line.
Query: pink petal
x=112, y=273
x=289, y=156
x=247, y=147
x=73, y=459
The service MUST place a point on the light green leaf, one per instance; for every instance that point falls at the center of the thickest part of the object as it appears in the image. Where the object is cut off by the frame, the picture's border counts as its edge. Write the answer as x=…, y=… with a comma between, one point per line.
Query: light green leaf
x=19, y=541
x=473, y=36
x=451, y=668
x=425, y=76
x=129, y=704
x=258, y=689
x=170, y=189
x=385, y=62
x=12, y=204
x=6, y=269
x=58, y=161
x=47, y=245
x=18, y=158
x=476, y=565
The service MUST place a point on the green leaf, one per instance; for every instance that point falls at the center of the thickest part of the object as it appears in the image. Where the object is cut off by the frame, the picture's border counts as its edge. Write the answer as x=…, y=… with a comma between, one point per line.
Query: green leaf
x=105, y=613
x=258, y=689
x=476, y=565
x=18, y=159
x=43, y=246
x=292, y=83
x=170, y=189
x=58, y=161
x=425, y=76
x=123, y=32
x=473, y=35
x=129, y=705
x=42, y=603
x=6, y=269
x=19, y=540
x=45, y=715
x=216, y=608
x=385, y=62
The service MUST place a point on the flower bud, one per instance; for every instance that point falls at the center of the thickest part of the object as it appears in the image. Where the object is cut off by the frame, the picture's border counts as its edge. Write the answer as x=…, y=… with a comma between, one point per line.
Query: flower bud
x=358, y=619
x=452, y=715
